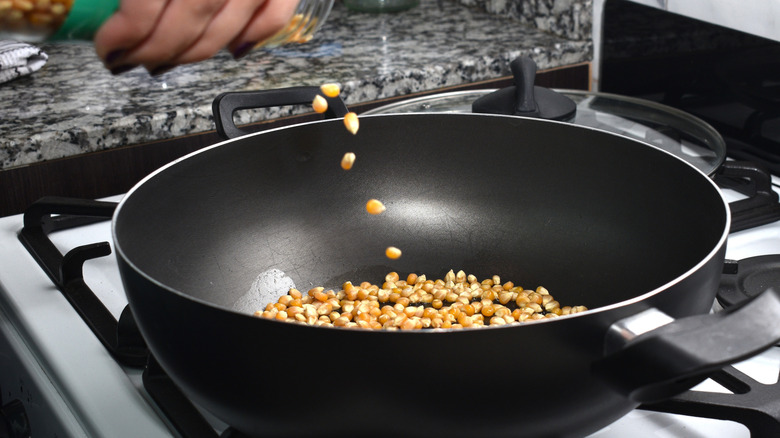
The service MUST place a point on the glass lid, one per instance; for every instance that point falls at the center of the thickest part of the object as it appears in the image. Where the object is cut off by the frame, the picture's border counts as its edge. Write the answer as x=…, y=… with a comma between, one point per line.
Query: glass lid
x=675, y=131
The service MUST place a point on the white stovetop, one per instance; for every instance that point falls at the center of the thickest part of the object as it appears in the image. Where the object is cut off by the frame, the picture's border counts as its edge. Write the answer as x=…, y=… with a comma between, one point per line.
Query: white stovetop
x=102, y=398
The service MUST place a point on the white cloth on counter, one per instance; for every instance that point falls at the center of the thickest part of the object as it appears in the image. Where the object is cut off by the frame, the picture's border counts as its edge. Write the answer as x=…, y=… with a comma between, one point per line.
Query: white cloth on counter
x=19, y=59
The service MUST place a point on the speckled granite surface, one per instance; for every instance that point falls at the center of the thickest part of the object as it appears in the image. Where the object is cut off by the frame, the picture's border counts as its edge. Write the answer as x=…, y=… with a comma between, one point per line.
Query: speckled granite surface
x=74, y=106
x=567, y=18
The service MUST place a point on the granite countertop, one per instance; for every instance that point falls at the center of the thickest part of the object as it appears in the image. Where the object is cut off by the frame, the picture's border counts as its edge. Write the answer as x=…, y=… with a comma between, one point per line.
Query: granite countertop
x=74, y=106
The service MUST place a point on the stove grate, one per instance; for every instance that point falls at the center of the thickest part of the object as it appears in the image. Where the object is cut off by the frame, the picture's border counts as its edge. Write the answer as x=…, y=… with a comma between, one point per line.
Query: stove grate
x=753, y=180
x=751, y=403
x=121, y=338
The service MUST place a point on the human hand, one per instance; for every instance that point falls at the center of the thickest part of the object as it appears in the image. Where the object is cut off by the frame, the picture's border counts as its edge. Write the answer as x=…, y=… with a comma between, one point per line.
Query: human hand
x=161, y=34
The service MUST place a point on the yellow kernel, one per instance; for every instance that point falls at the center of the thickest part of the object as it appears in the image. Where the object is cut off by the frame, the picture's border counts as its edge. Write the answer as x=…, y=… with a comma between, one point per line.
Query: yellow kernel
x=374, y=206
x=319, y=104
x=320, y=296
x=501, y=311
x=497, y=320
x=408, y=324
x=330, y=90
x=392, y=252
x=40, y=19
x=347, y=161
x=23, y=5
x=58, y=9
x=351, y=122
x=504, y=297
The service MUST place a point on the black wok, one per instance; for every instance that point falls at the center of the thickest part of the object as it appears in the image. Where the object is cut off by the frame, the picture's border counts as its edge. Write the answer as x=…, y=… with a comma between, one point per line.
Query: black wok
x=598, y=219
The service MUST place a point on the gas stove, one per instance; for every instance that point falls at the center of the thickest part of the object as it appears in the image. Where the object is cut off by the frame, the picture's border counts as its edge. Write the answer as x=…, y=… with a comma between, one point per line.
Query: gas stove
x=61, y=379
x=74, y=365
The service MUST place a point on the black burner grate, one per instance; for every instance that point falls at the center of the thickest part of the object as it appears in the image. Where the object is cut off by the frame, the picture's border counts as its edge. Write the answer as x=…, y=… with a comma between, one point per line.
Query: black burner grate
x=121, y=338
x=747, y=278
x=751, y=403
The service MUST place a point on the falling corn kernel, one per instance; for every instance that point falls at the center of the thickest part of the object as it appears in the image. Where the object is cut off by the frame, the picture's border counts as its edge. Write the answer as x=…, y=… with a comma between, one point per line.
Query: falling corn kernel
x=392, y=252
x=351, y=122
x=375, y=206
x=319, y=104
x=347, y=161
x=330, y=90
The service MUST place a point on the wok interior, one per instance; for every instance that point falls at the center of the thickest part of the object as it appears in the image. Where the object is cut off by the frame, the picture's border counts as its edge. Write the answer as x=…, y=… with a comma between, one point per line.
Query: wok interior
x=594, y=217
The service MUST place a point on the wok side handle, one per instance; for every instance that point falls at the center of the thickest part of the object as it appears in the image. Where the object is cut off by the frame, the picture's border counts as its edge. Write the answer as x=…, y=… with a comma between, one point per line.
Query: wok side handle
x=226, y=104
x=676, y=356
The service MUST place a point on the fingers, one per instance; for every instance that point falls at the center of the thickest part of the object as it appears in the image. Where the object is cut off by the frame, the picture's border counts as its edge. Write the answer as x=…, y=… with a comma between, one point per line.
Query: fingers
x=267, y=21
x=160, y=34
x=153, y=32
x=181, y=24
x=231, y=20
x=127, y=28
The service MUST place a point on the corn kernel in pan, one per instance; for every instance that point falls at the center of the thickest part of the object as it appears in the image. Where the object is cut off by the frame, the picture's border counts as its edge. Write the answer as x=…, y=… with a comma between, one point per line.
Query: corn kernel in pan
x=330, y=90
x=393, y=253
x=347, y=161
x=410, y=305
x=319, y=104
x=351, y=122
x=375, y=206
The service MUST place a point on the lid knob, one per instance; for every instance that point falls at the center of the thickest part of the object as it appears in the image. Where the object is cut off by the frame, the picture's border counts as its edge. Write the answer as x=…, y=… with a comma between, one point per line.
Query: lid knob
x=525, y=99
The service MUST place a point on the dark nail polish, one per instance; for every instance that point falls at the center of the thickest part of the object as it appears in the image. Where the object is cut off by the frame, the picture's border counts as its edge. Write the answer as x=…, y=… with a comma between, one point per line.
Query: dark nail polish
x=122, y=68
x=160, y=69
x=242, y=50
x=114, y=56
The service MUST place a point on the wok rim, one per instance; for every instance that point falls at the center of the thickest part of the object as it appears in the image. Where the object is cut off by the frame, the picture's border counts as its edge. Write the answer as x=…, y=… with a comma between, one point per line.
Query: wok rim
x=610, y=307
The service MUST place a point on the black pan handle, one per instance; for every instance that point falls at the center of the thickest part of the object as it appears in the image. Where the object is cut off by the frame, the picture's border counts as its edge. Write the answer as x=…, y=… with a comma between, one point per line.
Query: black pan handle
x=678, y=355
x=226, y=104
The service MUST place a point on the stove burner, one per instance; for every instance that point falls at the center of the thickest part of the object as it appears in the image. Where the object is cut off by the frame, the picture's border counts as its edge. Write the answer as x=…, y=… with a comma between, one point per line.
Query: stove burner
x=747, y=278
